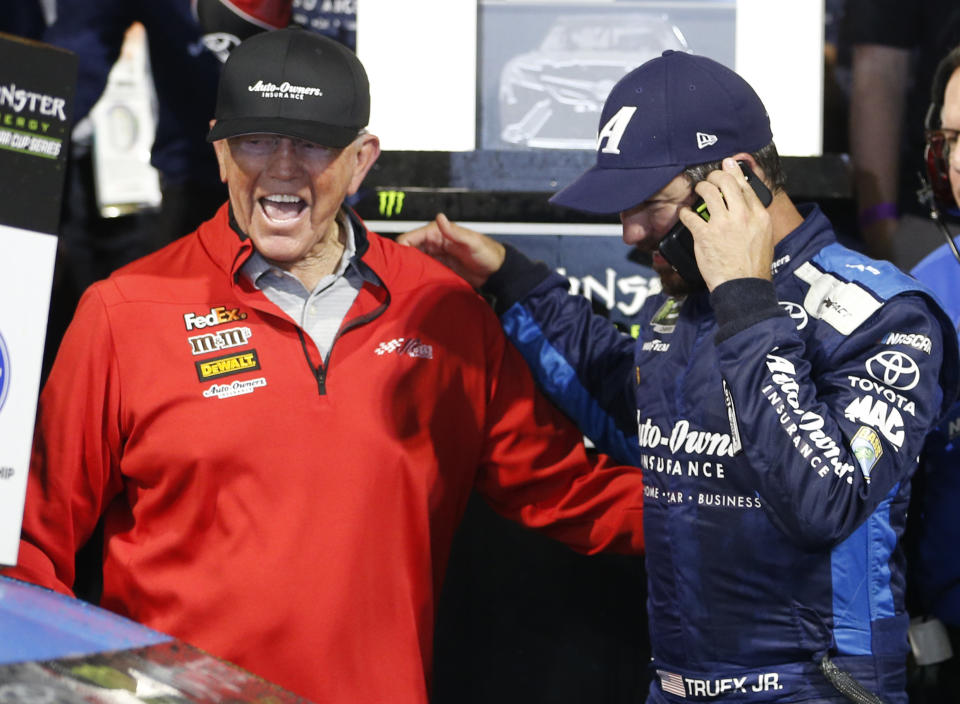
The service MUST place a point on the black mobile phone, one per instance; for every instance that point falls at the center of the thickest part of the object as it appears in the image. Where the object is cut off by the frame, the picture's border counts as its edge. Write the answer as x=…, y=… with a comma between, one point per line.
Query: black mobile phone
x=677, y=246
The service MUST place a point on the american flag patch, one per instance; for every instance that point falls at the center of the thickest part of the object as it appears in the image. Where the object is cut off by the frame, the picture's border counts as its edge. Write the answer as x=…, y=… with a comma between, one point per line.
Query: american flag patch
x=672, y=683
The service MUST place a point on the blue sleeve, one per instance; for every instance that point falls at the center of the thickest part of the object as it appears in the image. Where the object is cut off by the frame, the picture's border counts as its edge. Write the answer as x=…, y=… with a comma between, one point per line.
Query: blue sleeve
x=935, y=567
x=826, y=441
x=935, y=564
x=580, y=359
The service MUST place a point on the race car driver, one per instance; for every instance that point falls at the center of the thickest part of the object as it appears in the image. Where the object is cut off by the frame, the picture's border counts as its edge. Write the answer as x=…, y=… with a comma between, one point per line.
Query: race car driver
x=776, y=401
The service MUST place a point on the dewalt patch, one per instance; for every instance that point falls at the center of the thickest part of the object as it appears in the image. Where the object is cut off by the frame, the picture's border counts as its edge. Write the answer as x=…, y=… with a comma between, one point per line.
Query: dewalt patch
x=226, y=365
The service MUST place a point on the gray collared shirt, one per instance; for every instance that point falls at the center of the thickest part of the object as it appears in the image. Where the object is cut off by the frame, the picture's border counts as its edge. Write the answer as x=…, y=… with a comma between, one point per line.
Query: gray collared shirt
x=319, y=312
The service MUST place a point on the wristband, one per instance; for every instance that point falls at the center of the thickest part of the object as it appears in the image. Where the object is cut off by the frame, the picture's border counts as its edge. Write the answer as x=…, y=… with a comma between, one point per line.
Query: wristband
x=876, y=213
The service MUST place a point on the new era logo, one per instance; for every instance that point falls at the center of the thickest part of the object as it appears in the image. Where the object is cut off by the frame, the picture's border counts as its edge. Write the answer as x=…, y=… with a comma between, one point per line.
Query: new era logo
x=705, y=140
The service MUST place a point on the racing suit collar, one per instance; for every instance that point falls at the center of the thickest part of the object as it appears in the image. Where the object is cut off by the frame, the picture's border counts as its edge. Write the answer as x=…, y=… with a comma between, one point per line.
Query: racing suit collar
x=813, y=234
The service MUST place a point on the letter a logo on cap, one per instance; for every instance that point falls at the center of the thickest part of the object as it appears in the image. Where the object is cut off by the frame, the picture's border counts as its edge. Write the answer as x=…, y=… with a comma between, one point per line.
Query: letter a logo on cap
x=614, y=129
x=705, y=140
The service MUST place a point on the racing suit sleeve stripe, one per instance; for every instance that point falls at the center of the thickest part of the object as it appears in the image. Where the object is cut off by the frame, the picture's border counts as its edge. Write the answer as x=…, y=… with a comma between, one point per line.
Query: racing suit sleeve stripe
x=857, y=603
x=559, y=380
x=580, y=359
x=536, y=470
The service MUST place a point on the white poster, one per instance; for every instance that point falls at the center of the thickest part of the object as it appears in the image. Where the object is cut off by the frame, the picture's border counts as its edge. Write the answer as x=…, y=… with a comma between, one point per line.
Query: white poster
x=445, y=89
x=24, y=306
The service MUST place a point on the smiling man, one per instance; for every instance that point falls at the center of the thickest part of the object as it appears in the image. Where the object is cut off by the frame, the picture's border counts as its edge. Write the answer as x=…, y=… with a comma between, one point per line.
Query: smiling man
x=287, y=193
x=279, y=418
x=291, y=150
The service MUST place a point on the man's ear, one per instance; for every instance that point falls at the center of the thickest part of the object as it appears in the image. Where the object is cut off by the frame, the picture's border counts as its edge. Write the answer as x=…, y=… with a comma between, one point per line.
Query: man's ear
x=366, y=149
x=752, y=163
x=218, y=147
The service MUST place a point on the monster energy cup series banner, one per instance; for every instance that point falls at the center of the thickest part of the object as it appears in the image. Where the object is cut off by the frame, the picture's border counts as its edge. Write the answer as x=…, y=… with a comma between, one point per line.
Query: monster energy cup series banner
x=36, y=100
x=36, y=115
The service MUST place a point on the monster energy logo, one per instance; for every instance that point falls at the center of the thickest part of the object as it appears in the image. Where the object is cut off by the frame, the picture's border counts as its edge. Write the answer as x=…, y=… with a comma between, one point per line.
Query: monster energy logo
x=391, y=203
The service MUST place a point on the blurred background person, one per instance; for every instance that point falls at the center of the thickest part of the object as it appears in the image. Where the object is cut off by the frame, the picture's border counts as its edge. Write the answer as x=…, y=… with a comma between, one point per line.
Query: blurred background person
x=935, y=541
x=25, y=18
x=896, y=46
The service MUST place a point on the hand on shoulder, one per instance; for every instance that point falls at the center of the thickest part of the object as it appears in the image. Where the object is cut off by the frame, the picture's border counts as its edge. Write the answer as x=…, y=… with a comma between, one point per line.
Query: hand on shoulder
x=471, y=254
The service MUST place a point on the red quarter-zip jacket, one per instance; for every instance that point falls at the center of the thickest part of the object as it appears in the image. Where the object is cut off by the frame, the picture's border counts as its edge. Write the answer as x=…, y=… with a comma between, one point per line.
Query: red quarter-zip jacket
x=291, y=517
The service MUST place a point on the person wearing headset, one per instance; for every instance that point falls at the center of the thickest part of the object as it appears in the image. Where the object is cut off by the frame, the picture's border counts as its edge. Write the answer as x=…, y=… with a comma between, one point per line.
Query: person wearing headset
x=934, y=574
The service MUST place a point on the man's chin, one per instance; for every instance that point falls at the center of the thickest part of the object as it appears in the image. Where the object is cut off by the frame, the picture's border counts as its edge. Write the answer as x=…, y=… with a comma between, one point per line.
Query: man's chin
x=276, y=247
x=675, y=285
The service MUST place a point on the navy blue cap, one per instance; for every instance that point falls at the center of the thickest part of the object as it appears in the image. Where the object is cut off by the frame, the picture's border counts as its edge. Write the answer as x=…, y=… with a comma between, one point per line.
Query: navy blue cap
x=674, y=111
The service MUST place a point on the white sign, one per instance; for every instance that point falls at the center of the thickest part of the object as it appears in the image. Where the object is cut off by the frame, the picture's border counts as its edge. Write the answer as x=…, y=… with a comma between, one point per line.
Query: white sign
x=423, y=91
x=423, y=74
x=24, y=306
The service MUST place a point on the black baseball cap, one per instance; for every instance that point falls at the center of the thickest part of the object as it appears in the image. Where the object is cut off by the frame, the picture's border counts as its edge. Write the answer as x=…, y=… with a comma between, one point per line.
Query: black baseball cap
x=296, y=83
x=674, y=111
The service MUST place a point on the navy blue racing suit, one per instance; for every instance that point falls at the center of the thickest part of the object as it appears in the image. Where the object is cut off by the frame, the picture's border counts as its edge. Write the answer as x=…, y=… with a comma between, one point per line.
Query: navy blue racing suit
x=777, y=427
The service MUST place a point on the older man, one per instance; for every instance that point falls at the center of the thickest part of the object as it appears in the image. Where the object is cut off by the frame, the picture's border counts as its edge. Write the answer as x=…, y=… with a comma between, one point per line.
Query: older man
x=279, y=418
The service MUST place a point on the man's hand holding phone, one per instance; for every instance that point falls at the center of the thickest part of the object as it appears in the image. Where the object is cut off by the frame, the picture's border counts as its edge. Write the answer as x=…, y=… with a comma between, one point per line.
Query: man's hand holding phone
x=730, y=231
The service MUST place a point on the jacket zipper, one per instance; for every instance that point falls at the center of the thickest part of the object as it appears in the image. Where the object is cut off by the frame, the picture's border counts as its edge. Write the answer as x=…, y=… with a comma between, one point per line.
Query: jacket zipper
x=320, y=371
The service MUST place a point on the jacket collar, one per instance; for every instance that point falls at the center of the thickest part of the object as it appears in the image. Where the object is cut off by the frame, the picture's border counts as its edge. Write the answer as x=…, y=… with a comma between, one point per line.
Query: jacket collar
x=230, y=247
x=812, y=235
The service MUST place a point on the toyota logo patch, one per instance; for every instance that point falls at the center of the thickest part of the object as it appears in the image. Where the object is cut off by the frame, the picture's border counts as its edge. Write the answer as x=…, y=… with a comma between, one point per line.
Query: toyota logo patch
x=895, y=369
